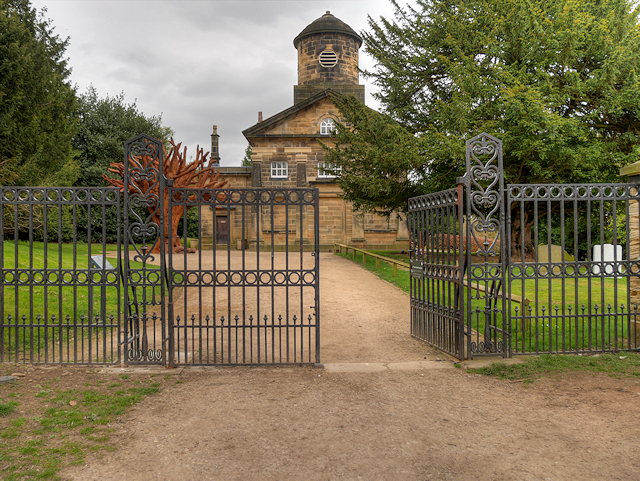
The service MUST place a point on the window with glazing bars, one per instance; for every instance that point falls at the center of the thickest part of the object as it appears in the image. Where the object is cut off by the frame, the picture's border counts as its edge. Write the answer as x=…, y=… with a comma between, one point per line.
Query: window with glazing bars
x=279, y=170
x=328, y=171
x=327, y=127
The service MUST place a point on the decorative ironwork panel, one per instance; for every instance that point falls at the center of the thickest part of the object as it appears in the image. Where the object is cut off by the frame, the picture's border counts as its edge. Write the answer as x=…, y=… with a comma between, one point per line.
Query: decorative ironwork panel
x=249, y=295
x=437, y=304
x=60, y=296
x=487, y=322
x=145, y=241
x=574, y=272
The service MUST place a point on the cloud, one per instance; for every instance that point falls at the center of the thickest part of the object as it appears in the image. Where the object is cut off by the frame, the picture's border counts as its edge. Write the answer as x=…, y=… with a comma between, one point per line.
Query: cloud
x=197, y=63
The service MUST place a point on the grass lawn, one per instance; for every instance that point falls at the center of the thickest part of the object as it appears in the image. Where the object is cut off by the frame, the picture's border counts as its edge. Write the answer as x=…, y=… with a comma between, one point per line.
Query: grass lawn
x=547, y=315
x=60, y=264
x=627, y=365
x=53, y=419
x=542, y=293
x=57, y=303
x=384, y=271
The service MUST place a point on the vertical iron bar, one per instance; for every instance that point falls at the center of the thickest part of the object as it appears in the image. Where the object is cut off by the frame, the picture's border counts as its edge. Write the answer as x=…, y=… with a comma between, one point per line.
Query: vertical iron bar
x=616, y=267
x=316, y=239
x=563, y=276
x=590, y=273
x=526, y=330
x=550, y=274
x=215, y=269
x=3, y=275
x=603, y=274
x=45, y=277
x=576, y=273
x=460, y=272
x=31, y=312
x=628, y=276
x=171, y=284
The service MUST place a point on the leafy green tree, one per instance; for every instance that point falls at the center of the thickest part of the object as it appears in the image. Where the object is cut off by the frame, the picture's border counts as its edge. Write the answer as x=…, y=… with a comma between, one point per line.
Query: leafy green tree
x=375, y=157
x=105, y=124
x=37, y=101
x=246, y=160
x=555, y=80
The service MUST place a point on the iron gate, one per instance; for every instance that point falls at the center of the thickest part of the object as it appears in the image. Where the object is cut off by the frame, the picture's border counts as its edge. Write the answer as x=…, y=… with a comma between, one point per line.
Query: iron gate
x=544, y=268
x=86, y=277
x=60, y=300
x=255, y=302
x=572, y=296
x=437, y=261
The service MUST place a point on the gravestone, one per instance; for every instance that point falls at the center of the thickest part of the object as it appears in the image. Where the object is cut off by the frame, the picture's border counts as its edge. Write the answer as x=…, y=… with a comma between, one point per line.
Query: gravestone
x=99, y=262
x=603, y=255
x=553, y=254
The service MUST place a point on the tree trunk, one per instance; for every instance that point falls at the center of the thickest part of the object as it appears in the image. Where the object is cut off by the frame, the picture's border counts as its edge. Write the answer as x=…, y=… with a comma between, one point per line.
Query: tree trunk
x=520, y=240
x=171, y=232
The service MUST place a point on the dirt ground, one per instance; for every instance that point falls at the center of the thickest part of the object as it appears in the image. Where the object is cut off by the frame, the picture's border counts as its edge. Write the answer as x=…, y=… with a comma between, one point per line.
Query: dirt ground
x=385, y=406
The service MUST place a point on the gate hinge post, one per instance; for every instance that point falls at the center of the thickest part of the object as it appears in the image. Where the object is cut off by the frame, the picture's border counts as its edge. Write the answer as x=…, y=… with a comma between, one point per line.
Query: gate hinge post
x=170, y=340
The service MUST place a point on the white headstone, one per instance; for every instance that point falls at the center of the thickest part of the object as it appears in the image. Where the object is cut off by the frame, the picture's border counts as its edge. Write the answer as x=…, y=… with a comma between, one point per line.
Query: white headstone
x=603, y=257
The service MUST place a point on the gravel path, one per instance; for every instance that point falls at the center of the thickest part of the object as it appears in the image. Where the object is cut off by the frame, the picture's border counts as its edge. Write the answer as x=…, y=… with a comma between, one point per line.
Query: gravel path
x=397, y=414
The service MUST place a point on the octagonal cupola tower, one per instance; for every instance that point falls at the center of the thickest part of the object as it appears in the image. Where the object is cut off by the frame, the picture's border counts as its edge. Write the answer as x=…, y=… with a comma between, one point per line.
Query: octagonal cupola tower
x=327, y=58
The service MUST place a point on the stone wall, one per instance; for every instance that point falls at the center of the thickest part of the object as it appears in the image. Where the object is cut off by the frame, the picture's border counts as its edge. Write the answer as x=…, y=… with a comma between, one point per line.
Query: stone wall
x=345, y=71
x=303, y=92
x=294, y=140
x=236, y=178
x=313, y=78
x=632, y=172
x=305, y=124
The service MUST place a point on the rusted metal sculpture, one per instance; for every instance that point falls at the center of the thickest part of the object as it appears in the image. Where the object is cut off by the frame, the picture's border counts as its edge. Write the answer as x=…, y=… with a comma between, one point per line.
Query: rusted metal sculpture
x=198, y=174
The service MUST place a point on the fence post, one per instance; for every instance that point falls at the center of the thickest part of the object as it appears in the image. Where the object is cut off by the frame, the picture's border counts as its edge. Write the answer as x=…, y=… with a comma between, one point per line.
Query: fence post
x=485, y=227
x=145, y=330
x=633, y=177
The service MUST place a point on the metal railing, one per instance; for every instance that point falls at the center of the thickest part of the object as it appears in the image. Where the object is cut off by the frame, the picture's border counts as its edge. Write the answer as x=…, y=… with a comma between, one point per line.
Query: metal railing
x=344, y=249
x=393, y=262
x=546, y=268
x=63, y=301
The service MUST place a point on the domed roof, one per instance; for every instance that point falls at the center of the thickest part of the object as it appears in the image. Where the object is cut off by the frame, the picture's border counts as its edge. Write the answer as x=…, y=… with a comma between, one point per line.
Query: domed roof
x=327, y=24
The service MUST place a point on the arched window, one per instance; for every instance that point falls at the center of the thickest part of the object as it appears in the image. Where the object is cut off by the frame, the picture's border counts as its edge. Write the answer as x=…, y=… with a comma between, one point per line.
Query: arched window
x=327, y=127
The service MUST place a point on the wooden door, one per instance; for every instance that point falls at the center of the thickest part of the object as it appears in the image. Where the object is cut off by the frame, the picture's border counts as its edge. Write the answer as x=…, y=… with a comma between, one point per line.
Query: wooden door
x=222, y=230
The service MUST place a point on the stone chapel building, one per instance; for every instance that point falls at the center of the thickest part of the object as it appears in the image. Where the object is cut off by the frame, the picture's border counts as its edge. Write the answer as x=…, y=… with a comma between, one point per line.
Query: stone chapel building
x=286, y=152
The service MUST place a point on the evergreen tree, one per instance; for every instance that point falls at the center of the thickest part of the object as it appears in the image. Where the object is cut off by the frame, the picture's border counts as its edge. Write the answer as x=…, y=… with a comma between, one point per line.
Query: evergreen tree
x=37, y=101
x=246, y=160
x=556, y=80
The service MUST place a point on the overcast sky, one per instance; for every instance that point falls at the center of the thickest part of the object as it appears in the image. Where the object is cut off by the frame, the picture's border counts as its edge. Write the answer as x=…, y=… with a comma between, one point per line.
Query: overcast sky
x=198, y=63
